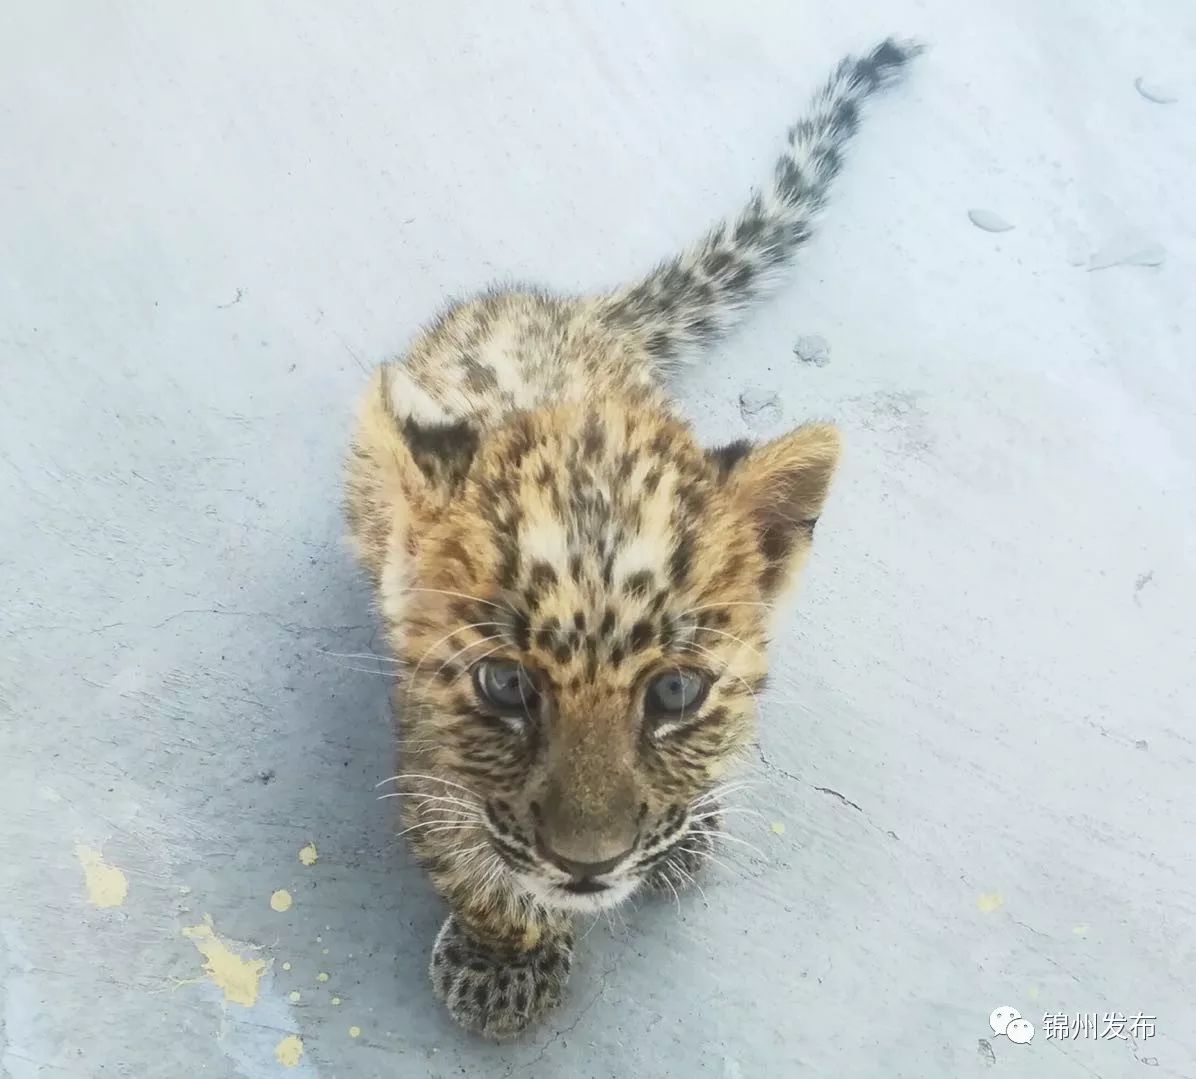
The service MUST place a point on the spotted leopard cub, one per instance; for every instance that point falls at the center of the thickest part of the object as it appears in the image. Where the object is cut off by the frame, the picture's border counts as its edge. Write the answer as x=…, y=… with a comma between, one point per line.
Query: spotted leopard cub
x=577, y=589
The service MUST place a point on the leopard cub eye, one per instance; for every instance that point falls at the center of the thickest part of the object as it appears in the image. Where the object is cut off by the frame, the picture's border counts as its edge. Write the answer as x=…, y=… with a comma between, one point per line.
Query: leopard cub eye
x=503, y=686
x=674, y=693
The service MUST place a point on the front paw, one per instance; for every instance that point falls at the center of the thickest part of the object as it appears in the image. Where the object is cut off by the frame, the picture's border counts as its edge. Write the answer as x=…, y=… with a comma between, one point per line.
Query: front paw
x=498, y=993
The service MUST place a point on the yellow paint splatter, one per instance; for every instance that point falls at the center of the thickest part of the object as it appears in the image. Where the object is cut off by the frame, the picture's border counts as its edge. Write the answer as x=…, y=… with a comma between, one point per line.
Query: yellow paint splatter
x=295, y=996
x=281, y=901
x=286, y=966
x=237, y=976
x=336, y=1002
x=309, y=854
x=107, y=886
x=778, y=827
x=355, y=1032
x=321, y=977
x=989, y=902
x=289, y=1051
x=1080, y=930
x=324, y=951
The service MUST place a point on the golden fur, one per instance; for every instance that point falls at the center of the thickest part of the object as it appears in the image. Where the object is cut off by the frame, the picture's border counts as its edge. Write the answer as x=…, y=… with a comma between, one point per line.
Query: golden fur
x=526, y=499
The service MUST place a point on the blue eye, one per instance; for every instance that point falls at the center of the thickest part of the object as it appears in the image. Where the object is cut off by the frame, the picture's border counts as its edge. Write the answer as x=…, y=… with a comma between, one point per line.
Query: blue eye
x=505, y=687
x=676, y=692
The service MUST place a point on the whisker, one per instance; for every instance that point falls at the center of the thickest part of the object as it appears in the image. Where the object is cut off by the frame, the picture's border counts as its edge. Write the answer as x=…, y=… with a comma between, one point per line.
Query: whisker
x=429, y=799
x=460, y=595
x=472, y=644
x=673, y=889
x=717, y=861
x=724, y=810
x=689, y=878
x=428, y=651
x=434, y=779
x=737, y=640
x=730, y=839
x=358, y=655
x=729, y=603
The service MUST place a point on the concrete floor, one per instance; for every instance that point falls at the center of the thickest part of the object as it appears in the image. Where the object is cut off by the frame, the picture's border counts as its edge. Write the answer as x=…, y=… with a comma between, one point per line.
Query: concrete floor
x=978, y=764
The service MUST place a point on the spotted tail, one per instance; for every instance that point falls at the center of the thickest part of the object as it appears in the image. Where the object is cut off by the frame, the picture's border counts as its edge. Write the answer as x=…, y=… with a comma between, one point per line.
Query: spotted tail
x=694, y=298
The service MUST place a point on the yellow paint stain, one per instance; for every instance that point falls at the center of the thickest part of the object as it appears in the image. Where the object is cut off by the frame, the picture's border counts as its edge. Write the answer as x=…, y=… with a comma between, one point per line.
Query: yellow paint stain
x=107, y=886
x=1032, y=992
x=778, y=828
x=295, y=996
x=281, y=901
x=1080, y=930
x=322, y=977
x=989, y=902
x=308, y=855
x=286, y=966
x=324, y=951
x=237, y=976
x=289, y=1051
x=336, y=1002
x=355, y=1032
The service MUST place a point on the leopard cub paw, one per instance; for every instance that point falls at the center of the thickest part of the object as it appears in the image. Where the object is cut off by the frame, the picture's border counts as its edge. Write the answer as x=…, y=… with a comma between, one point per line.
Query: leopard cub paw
x=498, y=993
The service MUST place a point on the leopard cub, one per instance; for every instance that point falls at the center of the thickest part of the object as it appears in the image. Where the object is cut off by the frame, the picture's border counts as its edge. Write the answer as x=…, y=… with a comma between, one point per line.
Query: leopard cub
x=576, y=589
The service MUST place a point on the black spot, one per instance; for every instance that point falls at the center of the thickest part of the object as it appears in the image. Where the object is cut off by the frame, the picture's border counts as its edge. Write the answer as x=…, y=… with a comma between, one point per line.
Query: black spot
x=579, y=620
x=542, y=575
x=750, y=228
x=521, y=1002
x=789, y=180
x=478, y=376
x=443, y=451
x=608, y=571
x=725, y=458
x=659, y=344
x=682, y=558
x=639, y=584
x=616, y=656
x=592, y=439
x=717, y=261
x=652, y=480
x=480, y=996
x=742, y=277
x=641, y=636
x=545, y=476
x=521, y=631
x=508, y=559
x=454, y=549
x=847, y=116
x=608, y=623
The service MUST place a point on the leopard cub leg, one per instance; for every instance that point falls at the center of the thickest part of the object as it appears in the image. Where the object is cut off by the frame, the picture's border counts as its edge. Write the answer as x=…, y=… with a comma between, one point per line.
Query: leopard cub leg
x=498, y=977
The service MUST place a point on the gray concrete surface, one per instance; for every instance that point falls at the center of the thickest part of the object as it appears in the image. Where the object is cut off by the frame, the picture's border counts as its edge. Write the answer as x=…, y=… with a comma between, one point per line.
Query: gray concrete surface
x=976, y=775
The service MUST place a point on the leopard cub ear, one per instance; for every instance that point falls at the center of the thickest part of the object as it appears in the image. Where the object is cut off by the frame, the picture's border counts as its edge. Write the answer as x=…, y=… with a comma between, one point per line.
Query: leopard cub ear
x=780, y=487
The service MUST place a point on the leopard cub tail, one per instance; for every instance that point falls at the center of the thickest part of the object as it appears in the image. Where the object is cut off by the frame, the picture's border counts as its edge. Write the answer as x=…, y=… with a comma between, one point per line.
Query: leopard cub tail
x=693, y=299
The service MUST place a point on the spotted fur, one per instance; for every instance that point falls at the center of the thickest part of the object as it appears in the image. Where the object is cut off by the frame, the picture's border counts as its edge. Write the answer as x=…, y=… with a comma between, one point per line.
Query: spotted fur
x=521, y=489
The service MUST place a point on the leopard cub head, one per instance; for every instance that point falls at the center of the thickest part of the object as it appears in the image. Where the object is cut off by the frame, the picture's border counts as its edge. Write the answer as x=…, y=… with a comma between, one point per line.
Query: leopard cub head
x=581, y=600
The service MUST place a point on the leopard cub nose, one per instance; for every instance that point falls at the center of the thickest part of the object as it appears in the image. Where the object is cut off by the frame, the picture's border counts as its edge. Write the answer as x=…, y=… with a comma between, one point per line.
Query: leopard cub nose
x=580, y=870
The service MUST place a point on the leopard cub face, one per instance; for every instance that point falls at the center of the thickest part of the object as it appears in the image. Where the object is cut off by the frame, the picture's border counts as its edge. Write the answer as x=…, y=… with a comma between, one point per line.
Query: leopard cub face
x=580, y=598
